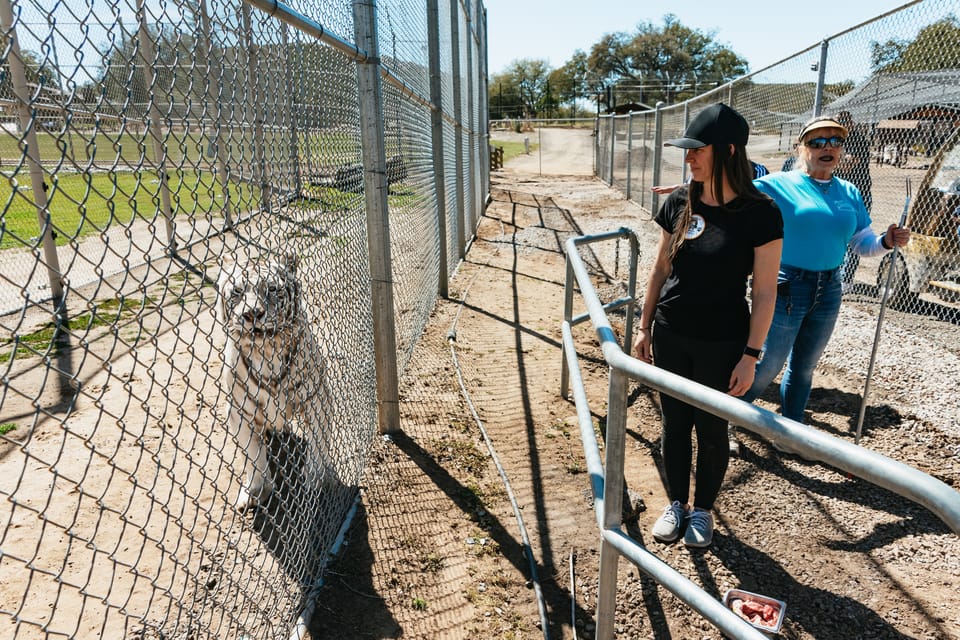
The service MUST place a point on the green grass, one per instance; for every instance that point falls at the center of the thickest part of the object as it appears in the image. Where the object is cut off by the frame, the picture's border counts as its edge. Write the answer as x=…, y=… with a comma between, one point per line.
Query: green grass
x=82, y=204
x=7, y=427
x=106, y=148
x=512, y=149
x=41, y=341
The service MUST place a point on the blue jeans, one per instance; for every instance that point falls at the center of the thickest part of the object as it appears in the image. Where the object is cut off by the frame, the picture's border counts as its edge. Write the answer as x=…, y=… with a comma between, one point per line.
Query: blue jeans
x=808, y=303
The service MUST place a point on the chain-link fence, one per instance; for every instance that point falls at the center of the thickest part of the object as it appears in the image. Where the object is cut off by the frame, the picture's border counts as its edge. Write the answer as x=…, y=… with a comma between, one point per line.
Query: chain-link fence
x=224, y=226
x=897, y=79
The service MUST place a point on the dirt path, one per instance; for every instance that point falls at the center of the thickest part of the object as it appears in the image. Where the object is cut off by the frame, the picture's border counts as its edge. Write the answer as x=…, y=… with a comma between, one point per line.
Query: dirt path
x=436, y=551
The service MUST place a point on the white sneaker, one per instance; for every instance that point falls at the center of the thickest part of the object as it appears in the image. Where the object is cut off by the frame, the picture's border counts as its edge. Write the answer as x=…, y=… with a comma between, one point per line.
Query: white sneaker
x=668, y=526
x=732, y=442
x=699, y=529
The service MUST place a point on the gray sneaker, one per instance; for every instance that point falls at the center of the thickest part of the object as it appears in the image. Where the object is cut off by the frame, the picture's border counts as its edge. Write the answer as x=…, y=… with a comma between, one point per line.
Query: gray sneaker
x=732, y=442
x=699, y=529
x=667, y=527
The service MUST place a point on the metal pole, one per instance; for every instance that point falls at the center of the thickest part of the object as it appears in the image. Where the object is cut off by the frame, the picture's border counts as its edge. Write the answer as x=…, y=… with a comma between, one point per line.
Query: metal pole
x=149, y=57
x=485, y=106
x=436, y=129
x=894, y=256
x=613, y=145
x=378, y=221
x=18, y=77
x=568, y=286
x=612, y=502
x=458, y=120
x=214, y=102
x=686, y=121
x=258, y=161
x=51, y=21
x=292, y=111
x=629, y=150
x=540, y=150
x=821, y=78
x=657, y=152
x=471, y=127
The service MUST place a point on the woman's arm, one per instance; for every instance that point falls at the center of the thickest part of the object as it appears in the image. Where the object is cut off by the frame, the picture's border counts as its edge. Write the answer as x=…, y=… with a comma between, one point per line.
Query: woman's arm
x=658, y=275
x=867, y=243
x=766, y=265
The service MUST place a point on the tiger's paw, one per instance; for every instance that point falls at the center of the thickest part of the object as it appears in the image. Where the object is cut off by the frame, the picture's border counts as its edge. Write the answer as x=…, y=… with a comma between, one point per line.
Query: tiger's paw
x=254, y=495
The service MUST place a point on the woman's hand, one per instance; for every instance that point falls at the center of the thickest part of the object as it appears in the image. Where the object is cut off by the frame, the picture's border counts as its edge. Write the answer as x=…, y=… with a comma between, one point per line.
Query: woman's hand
x=896, y=236
x=742, y=377
x=643, y=346
x=665, y=189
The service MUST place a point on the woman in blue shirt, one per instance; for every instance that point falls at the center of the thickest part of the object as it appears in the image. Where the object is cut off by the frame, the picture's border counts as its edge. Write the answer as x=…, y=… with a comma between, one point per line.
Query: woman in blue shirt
x=822, y=215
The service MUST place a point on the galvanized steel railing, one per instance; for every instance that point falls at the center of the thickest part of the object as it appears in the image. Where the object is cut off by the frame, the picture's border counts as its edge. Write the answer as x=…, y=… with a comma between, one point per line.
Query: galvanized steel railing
x=607, y=477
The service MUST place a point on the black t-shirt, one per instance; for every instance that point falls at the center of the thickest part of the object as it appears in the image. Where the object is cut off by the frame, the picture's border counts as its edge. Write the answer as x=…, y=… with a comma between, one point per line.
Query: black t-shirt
x=705, y=295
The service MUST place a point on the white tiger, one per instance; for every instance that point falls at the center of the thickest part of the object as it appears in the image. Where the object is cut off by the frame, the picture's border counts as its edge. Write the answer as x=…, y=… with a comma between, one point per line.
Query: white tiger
x=273, y=368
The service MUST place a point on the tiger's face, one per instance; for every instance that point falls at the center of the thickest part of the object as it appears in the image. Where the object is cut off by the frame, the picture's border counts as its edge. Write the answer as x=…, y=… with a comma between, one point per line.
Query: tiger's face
x=259, y=300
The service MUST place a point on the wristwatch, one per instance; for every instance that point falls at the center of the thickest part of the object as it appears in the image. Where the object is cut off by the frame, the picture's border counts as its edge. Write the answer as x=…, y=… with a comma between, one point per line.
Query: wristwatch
x=753, y=353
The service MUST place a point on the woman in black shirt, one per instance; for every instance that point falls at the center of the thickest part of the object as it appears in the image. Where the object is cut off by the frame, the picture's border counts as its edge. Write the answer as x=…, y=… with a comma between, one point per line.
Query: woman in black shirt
x=696, y=322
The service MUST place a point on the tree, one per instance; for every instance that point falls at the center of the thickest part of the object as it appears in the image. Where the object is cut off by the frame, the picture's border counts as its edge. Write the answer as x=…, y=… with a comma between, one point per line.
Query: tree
x=573, y=80
x=124, y=86
x=937, y=46
x=669, y=62
x=522, y=91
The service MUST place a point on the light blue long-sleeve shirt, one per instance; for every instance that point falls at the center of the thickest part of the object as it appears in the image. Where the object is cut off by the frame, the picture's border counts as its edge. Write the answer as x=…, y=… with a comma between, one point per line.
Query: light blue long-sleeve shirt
x=818, y=226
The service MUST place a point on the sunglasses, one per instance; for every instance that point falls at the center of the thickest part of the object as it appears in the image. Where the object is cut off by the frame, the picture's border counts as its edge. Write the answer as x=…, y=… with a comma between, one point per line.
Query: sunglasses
x=820, y=143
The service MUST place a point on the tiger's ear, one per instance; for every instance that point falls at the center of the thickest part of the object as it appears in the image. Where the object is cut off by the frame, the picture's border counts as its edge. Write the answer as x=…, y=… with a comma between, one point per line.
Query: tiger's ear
x=291, y=260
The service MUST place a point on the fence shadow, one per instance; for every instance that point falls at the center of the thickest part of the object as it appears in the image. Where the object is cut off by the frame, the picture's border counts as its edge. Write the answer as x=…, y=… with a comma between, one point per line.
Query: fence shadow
x=294, y=524
x=348, y=602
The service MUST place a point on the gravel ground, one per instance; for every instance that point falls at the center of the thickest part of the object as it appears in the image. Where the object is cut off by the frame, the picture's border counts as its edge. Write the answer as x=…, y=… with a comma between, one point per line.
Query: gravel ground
x=436, y=552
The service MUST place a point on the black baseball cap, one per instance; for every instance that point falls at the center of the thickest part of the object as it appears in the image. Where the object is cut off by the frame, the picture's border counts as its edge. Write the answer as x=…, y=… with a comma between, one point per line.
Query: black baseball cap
x=717, y=124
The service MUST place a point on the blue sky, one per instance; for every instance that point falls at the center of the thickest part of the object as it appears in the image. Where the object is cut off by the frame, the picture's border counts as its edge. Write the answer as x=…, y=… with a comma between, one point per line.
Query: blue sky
x=762, y=32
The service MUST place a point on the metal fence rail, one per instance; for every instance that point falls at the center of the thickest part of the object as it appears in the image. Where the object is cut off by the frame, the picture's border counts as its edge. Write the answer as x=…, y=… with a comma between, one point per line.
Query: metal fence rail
x=146, y=147
x=898, y=77
x=607, y=477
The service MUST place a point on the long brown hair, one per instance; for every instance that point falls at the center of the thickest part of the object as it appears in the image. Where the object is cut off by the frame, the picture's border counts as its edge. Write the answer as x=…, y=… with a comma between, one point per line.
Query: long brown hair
x=739, y=171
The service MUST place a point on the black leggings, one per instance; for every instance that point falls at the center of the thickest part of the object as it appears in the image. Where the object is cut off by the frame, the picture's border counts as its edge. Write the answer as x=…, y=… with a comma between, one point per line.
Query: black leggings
x=710, y=363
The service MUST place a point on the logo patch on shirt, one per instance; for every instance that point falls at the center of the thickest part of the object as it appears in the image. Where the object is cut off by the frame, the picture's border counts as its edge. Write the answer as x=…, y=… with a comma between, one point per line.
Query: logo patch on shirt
x=697, y=226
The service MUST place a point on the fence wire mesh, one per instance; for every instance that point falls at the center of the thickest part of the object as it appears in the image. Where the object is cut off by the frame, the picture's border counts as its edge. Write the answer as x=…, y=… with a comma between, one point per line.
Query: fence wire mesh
x=897, y=78
x=185, y=297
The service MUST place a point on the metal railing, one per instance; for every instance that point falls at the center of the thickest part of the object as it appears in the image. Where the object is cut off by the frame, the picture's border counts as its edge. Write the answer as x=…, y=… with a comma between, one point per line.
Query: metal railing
x=607, y=477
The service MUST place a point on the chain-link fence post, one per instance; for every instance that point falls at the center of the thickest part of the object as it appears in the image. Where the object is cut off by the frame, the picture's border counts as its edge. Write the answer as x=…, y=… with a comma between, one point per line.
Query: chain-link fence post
x=821, y=78
x=154, y=118
x=657, y=152
x=483, y=69
x=291, y=114
x=471, y=123
x=253, y=114
x=460, y=209
x=378, y=221
x=613, y=145
x=28, y=130
x=686, y=121
x=629, y=149
x=436, y=132
x=214, y=83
